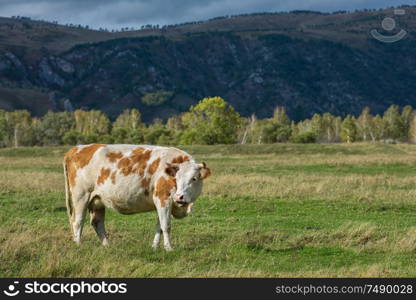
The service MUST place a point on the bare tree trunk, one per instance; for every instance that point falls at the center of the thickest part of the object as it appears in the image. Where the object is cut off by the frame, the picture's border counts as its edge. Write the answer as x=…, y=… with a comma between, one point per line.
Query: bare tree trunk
x=244, y=139
x=373, y=137
x=16, y=134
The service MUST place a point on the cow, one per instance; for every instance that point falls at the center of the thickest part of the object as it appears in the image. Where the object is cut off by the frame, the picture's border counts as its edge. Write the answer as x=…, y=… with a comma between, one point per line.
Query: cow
x=130, y=179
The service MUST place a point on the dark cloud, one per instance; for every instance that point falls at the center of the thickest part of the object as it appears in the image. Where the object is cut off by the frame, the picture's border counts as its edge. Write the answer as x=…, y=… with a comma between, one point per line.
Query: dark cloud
x=122, y=13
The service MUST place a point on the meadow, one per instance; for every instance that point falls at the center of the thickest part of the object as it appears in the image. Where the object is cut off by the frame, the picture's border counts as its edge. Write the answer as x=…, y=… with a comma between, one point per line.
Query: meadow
x=282, y=210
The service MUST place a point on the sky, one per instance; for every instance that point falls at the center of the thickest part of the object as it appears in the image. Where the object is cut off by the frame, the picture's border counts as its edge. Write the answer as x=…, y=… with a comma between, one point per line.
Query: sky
x=115, y=14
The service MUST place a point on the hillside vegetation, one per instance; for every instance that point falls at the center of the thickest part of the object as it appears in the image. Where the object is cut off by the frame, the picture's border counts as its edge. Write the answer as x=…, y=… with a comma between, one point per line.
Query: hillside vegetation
x=308, y=62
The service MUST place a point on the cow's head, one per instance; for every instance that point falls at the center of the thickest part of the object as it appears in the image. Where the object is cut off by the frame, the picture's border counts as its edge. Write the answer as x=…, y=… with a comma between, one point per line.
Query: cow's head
x=189, y=176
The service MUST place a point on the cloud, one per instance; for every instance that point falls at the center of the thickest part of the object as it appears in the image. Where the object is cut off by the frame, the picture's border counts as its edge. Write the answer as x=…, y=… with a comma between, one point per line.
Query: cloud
x=134, y=13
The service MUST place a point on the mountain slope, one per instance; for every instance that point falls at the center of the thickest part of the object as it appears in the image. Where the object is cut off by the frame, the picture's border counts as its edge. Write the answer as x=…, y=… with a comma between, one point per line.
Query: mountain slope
x=308, y=62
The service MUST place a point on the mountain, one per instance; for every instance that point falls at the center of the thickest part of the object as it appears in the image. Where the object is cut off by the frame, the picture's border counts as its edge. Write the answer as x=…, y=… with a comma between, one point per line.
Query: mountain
x=309, y=62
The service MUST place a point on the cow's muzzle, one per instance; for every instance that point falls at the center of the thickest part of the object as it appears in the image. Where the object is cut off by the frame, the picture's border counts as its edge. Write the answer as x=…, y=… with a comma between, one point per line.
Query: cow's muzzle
x=180, y=200
x=181, y=203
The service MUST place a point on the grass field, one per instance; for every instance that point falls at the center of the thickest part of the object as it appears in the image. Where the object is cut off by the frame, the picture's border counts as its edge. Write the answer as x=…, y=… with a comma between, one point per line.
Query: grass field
x=267, y=211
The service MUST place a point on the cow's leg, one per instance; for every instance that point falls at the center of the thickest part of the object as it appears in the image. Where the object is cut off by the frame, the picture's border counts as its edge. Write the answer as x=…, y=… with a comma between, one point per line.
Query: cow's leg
x=80, y=208
x=97, y=215
x=164, y=219
x=158, y=232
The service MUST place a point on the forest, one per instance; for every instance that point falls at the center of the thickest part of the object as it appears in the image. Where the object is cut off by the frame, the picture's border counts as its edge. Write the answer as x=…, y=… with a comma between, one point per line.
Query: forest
x=211, y=121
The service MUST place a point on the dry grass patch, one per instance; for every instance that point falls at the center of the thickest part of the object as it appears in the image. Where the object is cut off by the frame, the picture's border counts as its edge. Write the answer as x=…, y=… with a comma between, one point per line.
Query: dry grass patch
x=37, y=181
x=408, y=242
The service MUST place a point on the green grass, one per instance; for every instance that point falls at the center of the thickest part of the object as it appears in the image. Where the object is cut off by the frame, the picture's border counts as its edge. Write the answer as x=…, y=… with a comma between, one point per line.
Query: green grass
x=267, y=211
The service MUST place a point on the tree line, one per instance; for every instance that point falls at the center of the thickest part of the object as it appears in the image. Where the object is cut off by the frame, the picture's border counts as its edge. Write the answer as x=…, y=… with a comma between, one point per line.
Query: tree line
x=164, y=27
x=211, y=121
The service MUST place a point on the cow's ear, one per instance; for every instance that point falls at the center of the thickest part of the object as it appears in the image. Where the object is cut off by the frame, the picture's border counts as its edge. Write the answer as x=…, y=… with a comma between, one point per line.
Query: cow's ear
x=204, y=172
x=171, y=169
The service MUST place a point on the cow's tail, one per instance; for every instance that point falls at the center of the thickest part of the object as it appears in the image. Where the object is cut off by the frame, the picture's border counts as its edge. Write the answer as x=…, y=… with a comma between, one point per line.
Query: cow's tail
x=68, y=197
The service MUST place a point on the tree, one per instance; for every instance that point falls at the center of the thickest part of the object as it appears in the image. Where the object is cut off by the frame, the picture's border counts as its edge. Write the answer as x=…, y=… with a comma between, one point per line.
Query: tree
x=128, y=128
x=120, y=135
x=412, y=130
x=129, y=119
x=248, y=128
x=266, y=131
x=72, y=137
x=364, y=123
x=337, y=129
x=305, y=137
x=54, y=126
x=274, y=130
x=317, y=126
x=20, y=128
x=349, y=130
x=3, y=129
x=156, y=98
x=378, y=128
x=91, y=124
x=211, y=121
x=158, y=134
x=282, y=125
x=394, y=123
x=407, y=119
x=329, y=128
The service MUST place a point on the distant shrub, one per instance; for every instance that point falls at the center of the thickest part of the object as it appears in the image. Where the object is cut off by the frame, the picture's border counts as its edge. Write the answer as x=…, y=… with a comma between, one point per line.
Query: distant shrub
x=89, y=138
x=156, y=98
x=71, y=137
x=305, y=138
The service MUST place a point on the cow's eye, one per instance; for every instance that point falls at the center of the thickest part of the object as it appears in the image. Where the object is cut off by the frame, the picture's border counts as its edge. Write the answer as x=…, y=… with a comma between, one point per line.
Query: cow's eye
x=194, y=179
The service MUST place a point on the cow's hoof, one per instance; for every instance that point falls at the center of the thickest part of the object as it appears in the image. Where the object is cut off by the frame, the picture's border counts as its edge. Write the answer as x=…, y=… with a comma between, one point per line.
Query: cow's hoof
x=105, y=243
x=169, y=248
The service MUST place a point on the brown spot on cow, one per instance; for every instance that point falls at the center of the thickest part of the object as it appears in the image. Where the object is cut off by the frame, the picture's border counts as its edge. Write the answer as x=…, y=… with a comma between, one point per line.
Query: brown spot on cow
x=145, y=182
x=180, y=159
x=163, y=189
x=125, y=165
x=71, y=169
x=113, y=178
x=84, y=156
x=135, y=163
x=75, y=160
x=114, y=156
x=154, y=165
x=140, y=157
x=105, y=173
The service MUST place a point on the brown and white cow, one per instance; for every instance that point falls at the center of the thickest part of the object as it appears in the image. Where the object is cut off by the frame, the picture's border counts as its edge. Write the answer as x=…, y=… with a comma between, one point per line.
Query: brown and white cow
x=130, y=179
